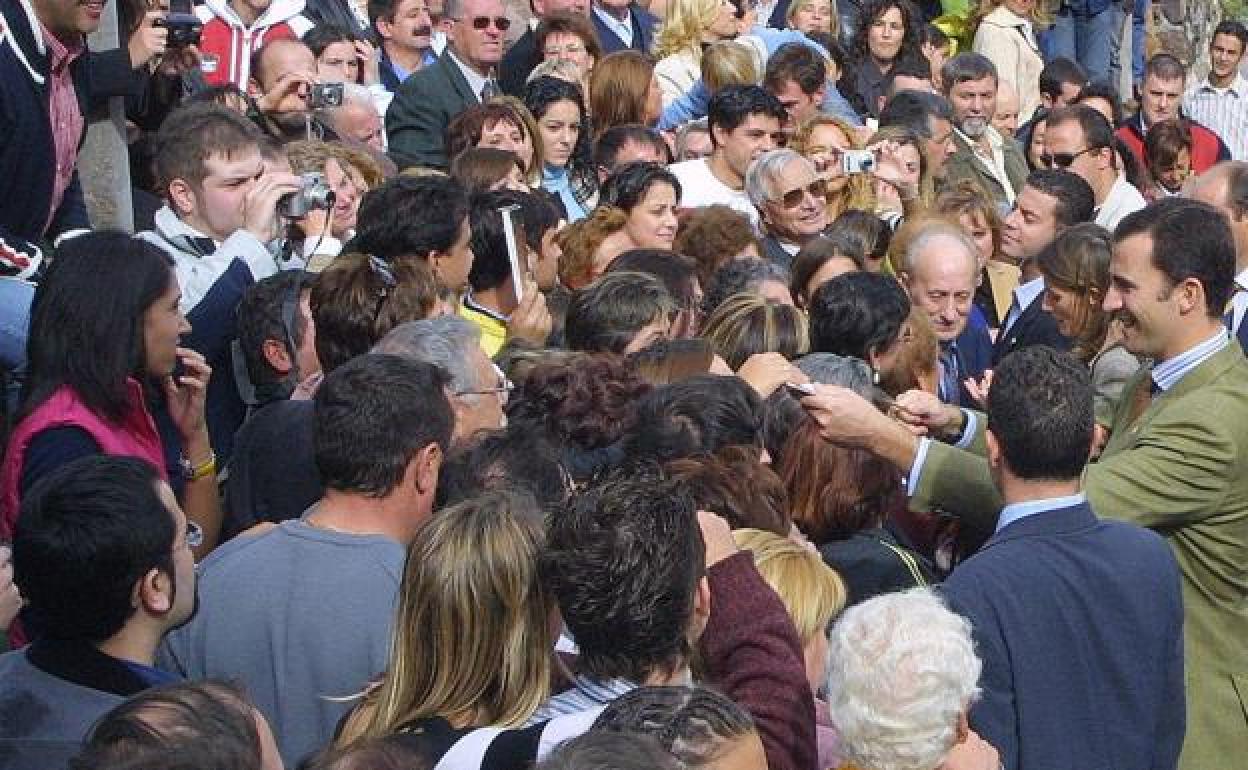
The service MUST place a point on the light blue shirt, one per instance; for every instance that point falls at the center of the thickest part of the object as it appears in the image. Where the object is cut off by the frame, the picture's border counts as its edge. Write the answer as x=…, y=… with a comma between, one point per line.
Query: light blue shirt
x=585, y=693
x=622, y=29
x=1017, y=511
x=1168, y=373
x=1024, y=295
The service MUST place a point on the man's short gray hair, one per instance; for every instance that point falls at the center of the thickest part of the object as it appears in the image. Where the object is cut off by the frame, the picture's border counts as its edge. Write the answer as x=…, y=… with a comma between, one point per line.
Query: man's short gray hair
x=935, y=231
x=902, y=670
x=766, y=168
x=446, y=341
x=831, y=369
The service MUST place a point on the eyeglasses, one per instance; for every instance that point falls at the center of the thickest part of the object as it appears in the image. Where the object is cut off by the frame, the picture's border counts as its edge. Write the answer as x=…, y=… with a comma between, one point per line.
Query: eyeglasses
x=501, y=23
x=1063, y=159
x=793, y=198
x=571, y=49
x=502, y=390
x=194, y=534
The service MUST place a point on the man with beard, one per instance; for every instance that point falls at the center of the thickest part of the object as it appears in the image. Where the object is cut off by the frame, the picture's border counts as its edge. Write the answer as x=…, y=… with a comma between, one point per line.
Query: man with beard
x=995, y=163
x=102, y=555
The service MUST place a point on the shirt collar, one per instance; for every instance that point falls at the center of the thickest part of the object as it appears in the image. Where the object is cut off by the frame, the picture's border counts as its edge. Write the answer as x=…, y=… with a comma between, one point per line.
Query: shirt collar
x=1237, y=86
x=1168, y=373
x=1241, y=280
x=602, y=690
x=1014, y=512
x=61, y=55
x=476, y=81
x=1026, y=293
x=611, y=21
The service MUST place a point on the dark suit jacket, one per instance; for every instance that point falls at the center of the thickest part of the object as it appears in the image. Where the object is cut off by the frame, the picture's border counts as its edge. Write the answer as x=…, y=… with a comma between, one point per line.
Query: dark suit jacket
x=1180, y=468
x=1034, y=326
x=422, y=107
x=1079, y=623
x=974, y=348
x=644, y=23
x=518, y=62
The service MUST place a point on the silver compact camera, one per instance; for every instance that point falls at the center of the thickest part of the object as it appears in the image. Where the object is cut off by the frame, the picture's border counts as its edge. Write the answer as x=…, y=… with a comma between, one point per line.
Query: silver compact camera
x=314, y=194
x=325, y=95
x=858, y=161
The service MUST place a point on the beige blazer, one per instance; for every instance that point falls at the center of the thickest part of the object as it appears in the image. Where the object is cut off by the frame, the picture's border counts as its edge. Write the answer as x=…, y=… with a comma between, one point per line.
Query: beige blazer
x=1002, y=37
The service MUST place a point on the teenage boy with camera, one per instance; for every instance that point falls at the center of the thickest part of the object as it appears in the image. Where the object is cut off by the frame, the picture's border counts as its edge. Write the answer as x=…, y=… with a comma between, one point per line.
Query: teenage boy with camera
x=220, y=217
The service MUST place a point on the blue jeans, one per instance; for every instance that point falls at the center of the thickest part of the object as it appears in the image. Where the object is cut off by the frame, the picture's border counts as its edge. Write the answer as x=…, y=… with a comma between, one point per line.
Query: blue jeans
x=1138, y=31
x=15, y=299
x=1092, y=40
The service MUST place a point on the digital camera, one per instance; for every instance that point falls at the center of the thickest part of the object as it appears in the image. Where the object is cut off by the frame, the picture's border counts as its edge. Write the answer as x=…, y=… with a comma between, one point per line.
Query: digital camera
x=314, y=194
x=185, y=29
x=858, y=161
x=325, y=95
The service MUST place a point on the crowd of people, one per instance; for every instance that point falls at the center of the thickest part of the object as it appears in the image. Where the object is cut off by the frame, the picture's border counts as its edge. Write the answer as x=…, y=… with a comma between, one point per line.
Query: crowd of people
x=727, y=384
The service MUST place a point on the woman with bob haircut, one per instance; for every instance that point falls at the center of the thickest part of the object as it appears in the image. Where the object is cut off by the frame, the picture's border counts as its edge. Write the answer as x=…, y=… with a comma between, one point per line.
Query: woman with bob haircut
x=822, y=259
x=503, y=123
x=888, y=717
x=690, y=25
x=649, y=196
x=454, y=667
x=1076, y=277
x=624, y=91
x=108, y=375
x=566, y=36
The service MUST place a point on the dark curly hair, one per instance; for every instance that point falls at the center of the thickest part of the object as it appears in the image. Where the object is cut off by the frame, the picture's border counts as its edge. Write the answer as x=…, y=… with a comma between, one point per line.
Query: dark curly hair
x=539, y=96
x=628, y=185
x=736, y=485
x=590, y=401
x=623, y=559
x=699, y=415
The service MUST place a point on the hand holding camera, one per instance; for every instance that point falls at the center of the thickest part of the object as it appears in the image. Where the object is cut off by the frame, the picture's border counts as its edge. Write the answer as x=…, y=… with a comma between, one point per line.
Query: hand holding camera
x=890, y=168
x=260, y=207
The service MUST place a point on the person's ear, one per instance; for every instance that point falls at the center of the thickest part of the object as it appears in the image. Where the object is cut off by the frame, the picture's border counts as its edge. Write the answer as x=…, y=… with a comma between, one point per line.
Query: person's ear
x=254, y=89
x=701, y=610
x=276, y=355
x=1191, y=296
x=154, y=592
x=385, y=28
x=182, y=197
x=425, y=466
x=994, y=449
x=1095, y=296
x=964, y=729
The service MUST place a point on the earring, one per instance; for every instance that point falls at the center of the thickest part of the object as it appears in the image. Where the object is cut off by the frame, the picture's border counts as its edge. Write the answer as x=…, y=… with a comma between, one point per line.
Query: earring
x=875, y=376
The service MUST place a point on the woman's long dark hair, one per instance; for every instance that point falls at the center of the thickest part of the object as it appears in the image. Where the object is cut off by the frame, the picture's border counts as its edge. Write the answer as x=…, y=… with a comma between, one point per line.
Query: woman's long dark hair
x=86, y=322
x=539, y=96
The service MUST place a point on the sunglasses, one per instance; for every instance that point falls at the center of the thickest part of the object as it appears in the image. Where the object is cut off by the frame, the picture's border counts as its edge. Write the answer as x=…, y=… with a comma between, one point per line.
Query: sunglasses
x=501, y=23
x=1063, y=159
x=793, y=198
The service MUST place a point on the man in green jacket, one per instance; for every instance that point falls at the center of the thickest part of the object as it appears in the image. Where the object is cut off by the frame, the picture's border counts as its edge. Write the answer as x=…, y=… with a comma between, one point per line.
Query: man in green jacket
x=995, y=163
x=1176, y=459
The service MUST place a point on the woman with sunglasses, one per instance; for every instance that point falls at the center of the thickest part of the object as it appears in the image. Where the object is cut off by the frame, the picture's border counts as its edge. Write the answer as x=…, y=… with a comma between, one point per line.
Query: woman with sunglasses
x=1076, y=277
x=690, y=26
x=567, y=170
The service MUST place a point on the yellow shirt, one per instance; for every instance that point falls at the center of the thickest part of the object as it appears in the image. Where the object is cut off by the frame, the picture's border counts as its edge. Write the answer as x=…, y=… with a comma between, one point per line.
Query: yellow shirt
x=493, y=329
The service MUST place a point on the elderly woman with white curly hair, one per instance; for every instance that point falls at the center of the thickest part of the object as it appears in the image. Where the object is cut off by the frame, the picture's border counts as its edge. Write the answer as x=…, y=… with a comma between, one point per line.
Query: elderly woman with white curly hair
x=902, y=673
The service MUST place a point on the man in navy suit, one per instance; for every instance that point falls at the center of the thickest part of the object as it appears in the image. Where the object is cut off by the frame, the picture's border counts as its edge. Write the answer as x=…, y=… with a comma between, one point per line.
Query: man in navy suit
x=938, y=271
x=1051, y=201
x=623, y=24
x=1078, y=620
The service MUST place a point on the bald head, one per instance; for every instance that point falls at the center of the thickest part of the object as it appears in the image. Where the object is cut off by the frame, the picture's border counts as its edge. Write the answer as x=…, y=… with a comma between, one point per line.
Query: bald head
x=938, y=271
x=1225, y=187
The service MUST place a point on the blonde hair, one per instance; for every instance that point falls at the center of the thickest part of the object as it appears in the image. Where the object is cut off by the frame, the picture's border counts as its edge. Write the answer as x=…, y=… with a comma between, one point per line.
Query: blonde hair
x=472, y=637
x=729, y=63
x=618, y=89
x=1039, y=15
x=834, y=21
x=312, y=155
x=858, y=193
x=746, y=324
x=811, y=591
x=902, y=135
x=684, y=26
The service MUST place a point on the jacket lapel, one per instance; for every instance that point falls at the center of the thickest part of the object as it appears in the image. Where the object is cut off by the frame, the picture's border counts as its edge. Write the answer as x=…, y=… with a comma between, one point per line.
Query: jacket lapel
x=456, y=78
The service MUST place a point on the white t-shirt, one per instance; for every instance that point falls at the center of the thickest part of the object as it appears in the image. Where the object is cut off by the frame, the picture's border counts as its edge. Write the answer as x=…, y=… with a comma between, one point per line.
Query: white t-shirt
x=699, y=187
